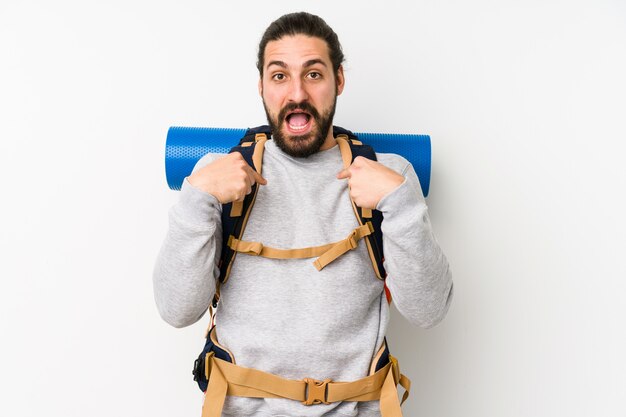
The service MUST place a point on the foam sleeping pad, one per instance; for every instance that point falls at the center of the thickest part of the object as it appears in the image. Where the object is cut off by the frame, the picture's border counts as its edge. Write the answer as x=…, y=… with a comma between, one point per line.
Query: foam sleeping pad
x=186, y=145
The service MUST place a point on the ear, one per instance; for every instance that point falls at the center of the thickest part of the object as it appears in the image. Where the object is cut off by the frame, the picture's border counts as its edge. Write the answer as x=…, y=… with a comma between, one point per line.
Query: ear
x=261, y=86
x=341, y=81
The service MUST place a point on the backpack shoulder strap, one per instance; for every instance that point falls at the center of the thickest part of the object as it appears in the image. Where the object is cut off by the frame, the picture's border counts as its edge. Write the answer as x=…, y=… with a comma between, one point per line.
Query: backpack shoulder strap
x=350, y=148
x=235, y=215
x=251, y=134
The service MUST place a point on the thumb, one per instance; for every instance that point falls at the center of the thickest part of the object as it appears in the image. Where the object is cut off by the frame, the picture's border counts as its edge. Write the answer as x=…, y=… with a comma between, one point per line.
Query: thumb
x=343, y=174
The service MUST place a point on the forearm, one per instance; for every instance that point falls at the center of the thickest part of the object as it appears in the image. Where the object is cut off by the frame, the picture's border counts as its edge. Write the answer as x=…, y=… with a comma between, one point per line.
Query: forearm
x=186, y=268
x=419, y=276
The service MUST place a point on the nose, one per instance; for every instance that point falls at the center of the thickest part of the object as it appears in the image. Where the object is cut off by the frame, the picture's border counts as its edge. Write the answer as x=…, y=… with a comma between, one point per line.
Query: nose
x=297, y=91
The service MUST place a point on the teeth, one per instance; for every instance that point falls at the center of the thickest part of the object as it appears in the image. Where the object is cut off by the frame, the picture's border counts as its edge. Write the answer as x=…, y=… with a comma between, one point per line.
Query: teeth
x=292, y=127
x=298, y=128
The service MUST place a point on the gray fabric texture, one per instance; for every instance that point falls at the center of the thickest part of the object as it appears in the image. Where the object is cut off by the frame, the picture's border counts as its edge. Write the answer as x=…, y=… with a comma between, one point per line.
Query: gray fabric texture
x=284, y=316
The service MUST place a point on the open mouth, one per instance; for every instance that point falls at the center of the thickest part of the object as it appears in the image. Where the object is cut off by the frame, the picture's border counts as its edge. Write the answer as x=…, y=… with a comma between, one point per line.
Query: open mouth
x=298, y=121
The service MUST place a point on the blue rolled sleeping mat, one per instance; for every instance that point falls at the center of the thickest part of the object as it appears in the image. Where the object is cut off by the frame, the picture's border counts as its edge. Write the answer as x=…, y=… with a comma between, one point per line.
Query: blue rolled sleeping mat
x=186, y=145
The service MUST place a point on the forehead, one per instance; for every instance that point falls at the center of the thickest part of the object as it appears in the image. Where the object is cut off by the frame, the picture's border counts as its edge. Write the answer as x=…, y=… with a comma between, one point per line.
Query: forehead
x=295, y=50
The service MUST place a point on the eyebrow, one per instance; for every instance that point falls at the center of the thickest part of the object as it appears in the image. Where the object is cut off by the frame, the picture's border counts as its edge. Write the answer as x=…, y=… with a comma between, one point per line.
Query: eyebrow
x=279, y=63
x=312, y=62
x=307, y=64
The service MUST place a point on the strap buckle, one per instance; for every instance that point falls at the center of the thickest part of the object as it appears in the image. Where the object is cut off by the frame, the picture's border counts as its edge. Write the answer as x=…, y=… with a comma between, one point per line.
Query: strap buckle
x=198, y=368
x=316, y=392
x=359, y=233
x=202, y=367
x=352, y=242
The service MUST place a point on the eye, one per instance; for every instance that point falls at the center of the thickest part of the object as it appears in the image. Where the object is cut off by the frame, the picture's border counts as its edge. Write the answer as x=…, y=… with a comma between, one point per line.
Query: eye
x=314, y=75
x=278, y=76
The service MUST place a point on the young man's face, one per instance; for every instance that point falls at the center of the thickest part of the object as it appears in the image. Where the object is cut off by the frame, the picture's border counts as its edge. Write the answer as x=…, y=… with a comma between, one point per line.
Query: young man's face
x=299, y=91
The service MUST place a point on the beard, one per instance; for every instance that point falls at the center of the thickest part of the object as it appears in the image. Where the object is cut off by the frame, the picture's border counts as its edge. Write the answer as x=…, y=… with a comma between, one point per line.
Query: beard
x=301, y=146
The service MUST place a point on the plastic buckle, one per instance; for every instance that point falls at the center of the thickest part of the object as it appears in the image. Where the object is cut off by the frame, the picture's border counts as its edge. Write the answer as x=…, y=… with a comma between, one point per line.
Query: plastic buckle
x=198, y=368
x=352, y=240
x=316, y=391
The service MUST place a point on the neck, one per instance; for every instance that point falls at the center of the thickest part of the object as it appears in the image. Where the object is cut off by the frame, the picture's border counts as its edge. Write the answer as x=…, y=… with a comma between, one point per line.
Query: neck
x=330, y=140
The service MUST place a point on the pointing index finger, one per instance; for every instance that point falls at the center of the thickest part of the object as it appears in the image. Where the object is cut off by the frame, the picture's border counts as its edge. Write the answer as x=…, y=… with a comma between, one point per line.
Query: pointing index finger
x=343, y=174
x=257, y=177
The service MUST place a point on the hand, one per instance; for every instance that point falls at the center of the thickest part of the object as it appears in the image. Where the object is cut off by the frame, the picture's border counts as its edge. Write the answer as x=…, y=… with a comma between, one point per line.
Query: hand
x=228, y=178
x=369, y=181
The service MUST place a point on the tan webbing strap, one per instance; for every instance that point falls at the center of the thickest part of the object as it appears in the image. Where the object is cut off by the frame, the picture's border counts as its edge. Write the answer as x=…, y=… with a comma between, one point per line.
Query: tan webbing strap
x=400, y=379
x=265, y=384
x=346, y=156
x=257, y=159
x=236, y=209
x=406, y=384
x=258, y=249
x=327, y=253
x=229, y=379
x=389, y=403
x=257, y=156
x=344, y=148
x=344, y=246
x=364, y=389
x=216, y=390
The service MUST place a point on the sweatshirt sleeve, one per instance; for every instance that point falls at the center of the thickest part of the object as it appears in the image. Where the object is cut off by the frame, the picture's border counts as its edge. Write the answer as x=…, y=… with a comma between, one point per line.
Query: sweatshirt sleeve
x=186, y=269
x=418, y=274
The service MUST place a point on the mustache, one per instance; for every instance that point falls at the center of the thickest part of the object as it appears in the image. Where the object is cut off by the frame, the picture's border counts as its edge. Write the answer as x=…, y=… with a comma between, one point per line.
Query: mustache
x=304, y=106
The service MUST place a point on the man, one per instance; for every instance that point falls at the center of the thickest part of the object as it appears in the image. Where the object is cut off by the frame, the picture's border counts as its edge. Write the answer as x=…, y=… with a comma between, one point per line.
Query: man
x=282, y=316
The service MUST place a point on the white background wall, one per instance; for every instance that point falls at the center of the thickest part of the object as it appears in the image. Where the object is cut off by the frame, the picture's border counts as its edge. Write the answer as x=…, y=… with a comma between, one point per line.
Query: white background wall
x=525, y=104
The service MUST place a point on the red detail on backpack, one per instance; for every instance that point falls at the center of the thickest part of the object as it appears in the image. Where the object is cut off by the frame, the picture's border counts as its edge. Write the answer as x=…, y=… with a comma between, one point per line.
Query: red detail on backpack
x=388, y=294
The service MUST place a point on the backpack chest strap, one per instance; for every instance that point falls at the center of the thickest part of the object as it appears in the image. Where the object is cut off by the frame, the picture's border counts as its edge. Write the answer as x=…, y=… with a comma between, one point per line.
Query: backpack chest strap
x=325, y=253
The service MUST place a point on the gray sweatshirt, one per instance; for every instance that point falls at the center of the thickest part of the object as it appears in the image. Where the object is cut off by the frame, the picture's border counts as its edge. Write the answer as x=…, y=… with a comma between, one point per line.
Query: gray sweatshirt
x=284, y=316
